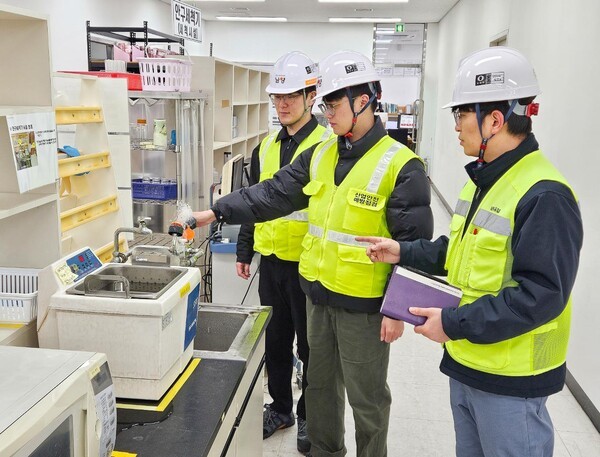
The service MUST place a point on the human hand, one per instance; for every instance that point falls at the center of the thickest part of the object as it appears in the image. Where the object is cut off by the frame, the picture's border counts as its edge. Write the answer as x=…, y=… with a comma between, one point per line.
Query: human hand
x=381, y=249
x=391, y=329
x=204, y=217
x=432, y=328
x=243, y=270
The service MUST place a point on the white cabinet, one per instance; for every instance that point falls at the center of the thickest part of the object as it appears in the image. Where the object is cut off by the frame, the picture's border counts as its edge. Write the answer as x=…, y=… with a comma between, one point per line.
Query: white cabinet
x=29, y=221
x=237, y=115
x=89, y=197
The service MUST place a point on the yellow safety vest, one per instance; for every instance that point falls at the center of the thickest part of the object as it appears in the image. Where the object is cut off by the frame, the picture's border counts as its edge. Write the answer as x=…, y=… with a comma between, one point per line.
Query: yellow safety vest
x=338, y=214
x=283, y=236
x=480, y=263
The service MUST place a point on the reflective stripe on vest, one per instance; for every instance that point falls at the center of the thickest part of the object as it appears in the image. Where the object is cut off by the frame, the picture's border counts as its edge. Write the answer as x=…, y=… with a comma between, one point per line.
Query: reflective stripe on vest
x=297, y=216
x=262, y=152
x=283, y=237
x=336, y=237
x=340, y=213
x=479, y=261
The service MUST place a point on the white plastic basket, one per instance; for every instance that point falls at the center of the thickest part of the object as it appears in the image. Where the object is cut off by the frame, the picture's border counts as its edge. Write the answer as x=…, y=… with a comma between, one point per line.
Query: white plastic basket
x=166, y=74
x=18, y=294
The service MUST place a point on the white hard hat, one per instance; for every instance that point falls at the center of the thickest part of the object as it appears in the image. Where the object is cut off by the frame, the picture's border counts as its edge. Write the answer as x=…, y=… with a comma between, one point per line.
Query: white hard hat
x=292, y=72
x=344, y=69
x=493, y=74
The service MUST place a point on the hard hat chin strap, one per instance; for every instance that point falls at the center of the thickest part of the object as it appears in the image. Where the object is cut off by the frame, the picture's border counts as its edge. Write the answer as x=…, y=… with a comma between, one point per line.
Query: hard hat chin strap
x=355, y=115
x=484, y=141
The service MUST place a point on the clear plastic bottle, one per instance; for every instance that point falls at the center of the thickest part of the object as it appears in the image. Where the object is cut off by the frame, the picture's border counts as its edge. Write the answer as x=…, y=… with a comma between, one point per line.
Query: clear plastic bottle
x=142, y=134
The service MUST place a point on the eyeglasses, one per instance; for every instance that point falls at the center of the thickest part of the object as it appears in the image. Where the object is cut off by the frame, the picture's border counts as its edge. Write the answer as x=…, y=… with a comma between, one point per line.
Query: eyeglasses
x=285, y=98
x=328, y=109
x=459, y=116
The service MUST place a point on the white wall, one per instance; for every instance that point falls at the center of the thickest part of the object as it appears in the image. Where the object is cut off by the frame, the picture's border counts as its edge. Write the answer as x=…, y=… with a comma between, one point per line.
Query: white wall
x=266, y=42
x=561, y=42
x=67, y=24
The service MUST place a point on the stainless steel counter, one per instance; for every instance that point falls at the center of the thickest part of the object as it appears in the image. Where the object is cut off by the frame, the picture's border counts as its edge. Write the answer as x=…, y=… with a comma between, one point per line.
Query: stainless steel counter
x=218, y=412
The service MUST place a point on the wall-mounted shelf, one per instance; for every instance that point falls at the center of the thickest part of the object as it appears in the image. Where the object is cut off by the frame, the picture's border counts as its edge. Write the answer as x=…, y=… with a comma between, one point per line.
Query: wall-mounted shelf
x=82, y=164
x=12, y=204
x=66, y=115
x=83, y=214
x=89, y=198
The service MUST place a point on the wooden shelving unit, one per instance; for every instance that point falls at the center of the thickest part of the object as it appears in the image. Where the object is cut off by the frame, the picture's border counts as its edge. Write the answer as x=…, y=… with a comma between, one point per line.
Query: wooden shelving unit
x=237, y=114
x=29, y=221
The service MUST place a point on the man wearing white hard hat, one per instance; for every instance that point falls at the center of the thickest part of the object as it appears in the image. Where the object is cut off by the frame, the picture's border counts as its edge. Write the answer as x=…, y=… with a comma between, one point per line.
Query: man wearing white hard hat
x=513, y=250
x=362, y=182
x=292, y=88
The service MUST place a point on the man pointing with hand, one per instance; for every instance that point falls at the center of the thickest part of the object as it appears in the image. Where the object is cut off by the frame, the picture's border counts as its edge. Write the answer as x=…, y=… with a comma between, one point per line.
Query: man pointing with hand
x=513, y=250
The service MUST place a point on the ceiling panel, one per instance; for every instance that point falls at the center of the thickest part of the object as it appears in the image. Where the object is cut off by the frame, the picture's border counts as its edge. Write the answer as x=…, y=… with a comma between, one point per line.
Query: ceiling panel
x=415, y=11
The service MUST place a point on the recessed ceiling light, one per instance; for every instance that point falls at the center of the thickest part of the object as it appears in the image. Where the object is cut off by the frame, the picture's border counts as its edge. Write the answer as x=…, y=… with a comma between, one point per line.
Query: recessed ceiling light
x=365, y=19
x=363, y=10
x=252, y=18
x=239, y=9
x=363, y=1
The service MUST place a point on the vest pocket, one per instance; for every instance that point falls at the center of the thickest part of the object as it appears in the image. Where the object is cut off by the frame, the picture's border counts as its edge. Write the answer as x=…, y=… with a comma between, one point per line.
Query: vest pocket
x=486, y=357
x=487, y=269
x=364, y=211
x=355, y=264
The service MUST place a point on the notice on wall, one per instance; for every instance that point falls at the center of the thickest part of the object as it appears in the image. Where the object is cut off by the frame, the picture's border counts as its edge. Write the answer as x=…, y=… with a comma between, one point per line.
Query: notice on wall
x=407, y=121
x=34, y=145
x=187, y=21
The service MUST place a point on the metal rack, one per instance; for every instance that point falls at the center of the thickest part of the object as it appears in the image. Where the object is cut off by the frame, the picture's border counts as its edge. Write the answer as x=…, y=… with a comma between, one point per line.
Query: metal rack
x=131, y=35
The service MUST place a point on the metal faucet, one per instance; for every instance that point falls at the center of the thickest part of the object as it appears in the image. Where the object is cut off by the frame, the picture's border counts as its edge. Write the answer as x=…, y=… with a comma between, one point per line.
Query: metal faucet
x=119, y=257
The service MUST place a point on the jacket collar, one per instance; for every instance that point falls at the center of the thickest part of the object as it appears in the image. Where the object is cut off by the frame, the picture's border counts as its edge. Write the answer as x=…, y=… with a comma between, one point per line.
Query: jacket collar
x=301, y=134
x=362, y=146
x=489, y=173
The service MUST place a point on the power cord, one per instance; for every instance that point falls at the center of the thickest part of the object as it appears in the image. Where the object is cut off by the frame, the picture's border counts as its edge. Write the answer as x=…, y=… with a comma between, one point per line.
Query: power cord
x=250, y=284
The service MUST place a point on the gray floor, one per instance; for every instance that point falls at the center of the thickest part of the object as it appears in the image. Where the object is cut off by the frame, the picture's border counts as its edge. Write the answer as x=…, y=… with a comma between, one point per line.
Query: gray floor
x=421, y=421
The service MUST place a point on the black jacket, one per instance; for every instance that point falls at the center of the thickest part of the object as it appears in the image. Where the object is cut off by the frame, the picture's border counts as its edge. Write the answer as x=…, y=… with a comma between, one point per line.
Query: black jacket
x=288, y=144
x=409, y=216
x=546, y=241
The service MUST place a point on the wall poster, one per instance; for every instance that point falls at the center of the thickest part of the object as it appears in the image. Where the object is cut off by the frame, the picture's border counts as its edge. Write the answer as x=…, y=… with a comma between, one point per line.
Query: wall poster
x=34, y=146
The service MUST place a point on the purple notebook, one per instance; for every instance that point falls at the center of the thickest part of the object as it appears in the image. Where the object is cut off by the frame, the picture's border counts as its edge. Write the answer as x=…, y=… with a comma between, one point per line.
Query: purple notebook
x=411, y=287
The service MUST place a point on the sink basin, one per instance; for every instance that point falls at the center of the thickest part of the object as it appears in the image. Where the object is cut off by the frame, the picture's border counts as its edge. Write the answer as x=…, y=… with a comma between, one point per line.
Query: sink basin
x=217, y=330
x=229, y=332
x=144, y=282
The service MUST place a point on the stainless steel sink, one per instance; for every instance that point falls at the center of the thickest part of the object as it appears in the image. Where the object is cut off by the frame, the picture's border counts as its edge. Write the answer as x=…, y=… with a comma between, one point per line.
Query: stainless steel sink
x=229, y=332
x=128, y=281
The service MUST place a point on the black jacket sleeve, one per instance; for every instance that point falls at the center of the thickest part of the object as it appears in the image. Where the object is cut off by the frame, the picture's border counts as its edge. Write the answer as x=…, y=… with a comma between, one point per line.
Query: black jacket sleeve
x=425, y=255
x=547, y=239
x=269, y=199
x=409, y=215
x=245, y=243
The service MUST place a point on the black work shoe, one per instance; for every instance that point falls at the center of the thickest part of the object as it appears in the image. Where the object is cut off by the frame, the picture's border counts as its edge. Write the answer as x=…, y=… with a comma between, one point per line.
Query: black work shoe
x=273, y=421
x=302, y=442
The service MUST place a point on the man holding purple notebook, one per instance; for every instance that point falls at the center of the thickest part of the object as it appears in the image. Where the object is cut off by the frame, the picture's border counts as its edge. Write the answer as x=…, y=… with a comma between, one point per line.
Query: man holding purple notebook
x=513, y=250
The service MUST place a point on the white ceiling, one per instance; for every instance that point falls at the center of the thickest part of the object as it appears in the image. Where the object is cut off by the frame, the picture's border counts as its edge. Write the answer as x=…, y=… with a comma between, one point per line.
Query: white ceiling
x=415, y=11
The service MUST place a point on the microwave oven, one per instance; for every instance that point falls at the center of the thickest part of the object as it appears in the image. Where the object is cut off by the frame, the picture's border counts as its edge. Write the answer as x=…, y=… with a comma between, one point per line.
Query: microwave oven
x=55, y=403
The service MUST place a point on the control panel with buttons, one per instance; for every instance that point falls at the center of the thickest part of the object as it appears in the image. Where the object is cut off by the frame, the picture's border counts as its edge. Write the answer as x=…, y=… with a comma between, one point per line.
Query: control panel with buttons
x=83, y=263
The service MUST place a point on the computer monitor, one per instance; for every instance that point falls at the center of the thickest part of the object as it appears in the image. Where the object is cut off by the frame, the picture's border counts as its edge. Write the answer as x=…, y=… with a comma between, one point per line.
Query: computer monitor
x=232, y=174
